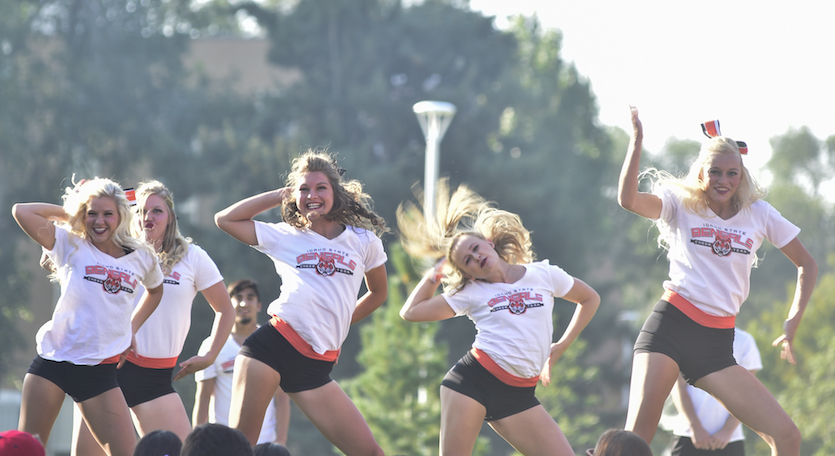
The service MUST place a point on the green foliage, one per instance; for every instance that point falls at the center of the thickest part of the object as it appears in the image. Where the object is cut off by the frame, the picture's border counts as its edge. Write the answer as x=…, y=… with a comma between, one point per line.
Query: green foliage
x=97, y=87
x=574, y=399
x=805, y=390
x=405, y=357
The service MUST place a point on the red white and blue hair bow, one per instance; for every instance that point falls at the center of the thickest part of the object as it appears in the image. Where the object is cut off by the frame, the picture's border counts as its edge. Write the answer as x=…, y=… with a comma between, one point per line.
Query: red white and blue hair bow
x=711, y=130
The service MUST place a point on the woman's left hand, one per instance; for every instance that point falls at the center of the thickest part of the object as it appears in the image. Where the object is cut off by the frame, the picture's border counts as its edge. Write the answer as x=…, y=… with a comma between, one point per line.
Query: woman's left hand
x=124, y=356
x=556, y=352
x=192, y=365
x=786, y=350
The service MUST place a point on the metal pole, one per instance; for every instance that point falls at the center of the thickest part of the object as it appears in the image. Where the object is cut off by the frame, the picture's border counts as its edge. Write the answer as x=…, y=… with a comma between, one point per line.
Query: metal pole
x=431, y=171
x=434, y=118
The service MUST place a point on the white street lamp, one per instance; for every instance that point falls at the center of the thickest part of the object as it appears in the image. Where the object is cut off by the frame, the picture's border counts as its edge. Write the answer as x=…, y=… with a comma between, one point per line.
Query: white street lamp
x=434, y=118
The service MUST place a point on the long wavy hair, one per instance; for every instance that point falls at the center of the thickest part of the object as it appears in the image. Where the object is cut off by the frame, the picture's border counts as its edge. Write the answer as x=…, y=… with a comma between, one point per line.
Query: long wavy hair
x=350, y=205
x=691, y=186
x=462, y=213
x=174, y=245
x=77, y=200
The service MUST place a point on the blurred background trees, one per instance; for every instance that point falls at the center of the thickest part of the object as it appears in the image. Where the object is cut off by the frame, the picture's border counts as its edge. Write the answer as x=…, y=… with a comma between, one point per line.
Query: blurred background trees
x=110, y=88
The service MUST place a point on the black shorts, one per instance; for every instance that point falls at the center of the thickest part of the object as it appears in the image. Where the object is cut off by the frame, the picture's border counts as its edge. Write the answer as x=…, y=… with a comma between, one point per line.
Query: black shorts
x=143, y=384
x=298, y=372
x=697, y=349
x=501, y=400
x=683, y=446
x=81, y=382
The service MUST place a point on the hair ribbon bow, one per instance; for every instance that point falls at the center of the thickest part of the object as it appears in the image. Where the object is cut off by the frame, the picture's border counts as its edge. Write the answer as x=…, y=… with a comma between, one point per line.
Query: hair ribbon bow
x=711, y=130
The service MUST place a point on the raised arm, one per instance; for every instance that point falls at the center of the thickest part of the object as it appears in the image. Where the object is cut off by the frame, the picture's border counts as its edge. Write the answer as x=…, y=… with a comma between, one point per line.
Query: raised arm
x=423, y=305
x=219, y=299
x=644, y=204
x=587, y=301
x=236, y=219
x=36, y=220
x=807, y=275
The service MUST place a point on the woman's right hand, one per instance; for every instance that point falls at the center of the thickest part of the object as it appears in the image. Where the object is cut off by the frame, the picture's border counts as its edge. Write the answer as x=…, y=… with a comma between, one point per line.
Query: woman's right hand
x=637, y=126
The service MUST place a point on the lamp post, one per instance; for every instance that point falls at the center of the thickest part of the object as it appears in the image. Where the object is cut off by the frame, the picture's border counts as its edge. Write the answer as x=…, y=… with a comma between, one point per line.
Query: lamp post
x=434, y=118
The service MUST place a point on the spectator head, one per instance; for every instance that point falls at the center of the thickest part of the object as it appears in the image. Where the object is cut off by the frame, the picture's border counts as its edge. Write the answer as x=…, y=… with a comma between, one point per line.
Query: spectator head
x=617, y=442
x=18, y=443
x=270, y=449
x=212, y=439
x=158, y=443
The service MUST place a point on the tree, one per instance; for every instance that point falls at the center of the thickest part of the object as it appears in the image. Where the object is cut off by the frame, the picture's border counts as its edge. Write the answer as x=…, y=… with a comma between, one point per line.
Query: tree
x=805, y=390
x=407, y=359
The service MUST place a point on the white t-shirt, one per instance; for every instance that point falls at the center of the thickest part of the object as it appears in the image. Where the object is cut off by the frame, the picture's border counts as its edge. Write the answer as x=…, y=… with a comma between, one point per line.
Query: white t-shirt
x=514, y=321
x=710, y=412
x=165, y=331
x=320, y=278
x=91, y=321
x=711, y=258
x=222, y=371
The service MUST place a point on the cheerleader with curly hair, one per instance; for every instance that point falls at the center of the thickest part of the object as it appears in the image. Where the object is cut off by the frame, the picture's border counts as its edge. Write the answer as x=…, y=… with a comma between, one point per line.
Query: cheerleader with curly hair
x=326, y=245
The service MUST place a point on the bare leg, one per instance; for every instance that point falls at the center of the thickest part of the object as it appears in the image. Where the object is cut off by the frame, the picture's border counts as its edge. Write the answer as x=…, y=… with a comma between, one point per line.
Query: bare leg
x=253, y=385
x=83, y=442
x=653, y=377
x=165, y=412
x=461, y=420
x=41, y=402
x=533, y=433
x=108, y=418
x=338, y=419
x=751, y=402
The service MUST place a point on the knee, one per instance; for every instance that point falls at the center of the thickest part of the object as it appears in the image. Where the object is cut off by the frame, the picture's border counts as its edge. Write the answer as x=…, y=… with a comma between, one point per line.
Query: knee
x=789, y=437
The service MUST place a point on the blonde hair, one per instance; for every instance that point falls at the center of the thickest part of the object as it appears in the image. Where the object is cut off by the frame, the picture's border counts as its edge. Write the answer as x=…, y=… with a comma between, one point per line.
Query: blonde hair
x=174, y=245
x=77, y=201
x=350, y=205
x=691, y=186
x=463, y=213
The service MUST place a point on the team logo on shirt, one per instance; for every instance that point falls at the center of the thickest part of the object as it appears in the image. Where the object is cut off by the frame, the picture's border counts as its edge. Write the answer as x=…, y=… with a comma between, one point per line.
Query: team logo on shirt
x=172, y=279
x=326, y=263
x=325, y=268
x=516, y=303
x=113, y=281
x=722, y=243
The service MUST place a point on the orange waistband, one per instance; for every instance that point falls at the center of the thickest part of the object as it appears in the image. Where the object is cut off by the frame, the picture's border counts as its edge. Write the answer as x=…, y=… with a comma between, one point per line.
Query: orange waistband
x=111, y=360
x=300, y=344
x=506, y=377
x=152, y=363
x=698, y=315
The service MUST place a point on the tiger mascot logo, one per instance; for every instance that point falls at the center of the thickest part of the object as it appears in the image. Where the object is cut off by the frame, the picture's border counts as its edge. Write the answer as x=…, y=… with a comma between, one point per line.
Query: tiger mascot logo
x=113, y=283
x=516, y=305
x=722, y=245
x=325, y=268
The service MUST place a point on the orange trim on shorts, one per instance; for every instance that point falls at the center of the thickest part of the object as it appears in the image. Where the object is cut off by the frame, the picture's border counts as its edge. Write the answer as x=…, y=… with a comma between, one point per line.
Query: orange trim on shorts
x=111, y=360
x=300, y=344
x=506, y=377
x=152, y=363
x=698, y=315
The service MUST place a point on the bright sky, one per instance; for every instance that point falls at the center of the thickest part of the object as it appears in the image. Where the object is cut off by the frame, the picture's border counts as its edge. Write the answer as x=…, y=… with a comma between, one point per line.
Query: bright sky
x=760, y=67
